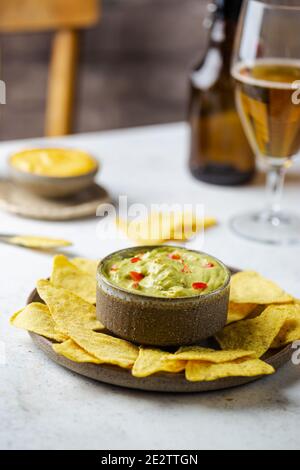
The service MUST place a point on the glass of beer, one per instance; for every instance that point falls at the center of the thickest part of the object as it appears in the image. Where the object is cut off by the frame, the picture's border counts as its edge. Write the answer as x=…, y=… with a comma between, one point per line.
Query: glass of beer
x=266, y=70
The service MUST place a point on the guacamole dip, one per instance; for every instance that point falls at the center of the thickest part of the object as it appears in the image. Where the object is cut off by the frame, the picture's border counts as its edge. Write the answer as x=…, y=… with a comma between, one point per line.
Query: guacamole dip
x=166, y=272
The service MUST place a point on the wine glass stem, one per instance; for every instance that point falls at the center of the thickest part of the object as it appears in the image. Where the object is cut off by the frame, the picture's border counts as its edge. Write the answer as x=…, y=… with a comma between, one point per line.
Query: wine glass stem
x=275, y=183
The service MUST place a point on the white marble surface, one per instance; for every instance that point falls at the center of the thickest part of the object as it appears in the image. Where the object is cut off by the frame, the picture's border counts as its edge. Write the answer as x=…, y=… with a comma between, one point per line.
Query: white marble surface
x=43, y=406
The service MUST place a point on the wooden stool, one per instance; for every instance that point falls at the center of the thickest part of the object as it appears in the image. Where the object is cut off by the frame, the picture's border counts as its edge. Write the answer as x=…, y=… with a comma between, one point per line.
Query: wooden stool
x=65, y=17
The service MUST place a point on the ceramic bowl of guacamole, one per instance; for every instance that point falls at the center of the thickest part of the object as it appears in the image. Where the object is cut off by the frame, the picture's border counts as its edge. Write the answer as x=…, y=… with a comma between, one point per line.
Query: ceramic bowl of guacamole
x=53, y=172
x=163, y=295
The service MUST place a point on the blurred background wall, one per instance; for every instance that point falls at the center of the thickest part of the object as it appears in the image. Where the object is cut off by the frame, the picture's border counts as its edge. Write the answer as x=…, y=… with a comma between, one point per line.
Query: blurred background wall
x=134, y=68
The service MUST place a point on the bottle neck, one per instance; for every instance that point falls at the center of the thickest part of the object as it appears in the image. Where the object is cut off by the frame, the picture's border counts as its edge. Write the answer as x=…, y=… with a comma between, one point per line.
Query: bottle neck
x=222, y=33
x=227, y=9
x=223, y=29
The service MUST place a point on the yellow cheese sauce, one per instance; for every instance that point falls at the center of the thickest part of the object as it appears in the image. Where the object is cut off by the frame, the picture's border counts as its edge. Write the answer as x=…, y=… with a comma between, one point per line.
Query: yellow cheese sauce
x=56, y=163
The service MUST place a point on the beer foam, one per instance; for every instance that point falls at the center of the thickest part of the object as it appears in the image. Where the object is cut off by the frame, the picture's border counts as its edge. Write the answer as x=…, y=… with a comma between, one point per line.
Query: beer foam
x=248, y=80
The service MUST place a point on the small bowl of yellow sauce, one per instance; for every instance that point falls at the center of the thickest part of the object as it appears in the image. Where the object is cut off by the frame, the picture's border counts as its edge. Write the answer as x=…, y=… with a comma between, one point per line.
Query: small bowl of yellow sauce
x=53, y=172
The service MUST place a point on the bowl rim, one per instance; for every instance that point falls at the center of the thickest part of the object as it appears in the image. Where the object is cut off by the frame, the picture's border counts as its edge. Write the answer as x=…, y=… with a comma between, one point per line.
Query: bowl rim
x=54, y=179
x=101, y=276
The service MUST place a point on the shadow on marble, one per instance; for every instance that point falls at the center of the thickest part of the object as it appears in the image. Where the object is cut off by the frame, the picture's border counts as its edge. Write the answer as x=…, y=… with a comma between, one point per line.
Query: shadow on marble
x=266, y=394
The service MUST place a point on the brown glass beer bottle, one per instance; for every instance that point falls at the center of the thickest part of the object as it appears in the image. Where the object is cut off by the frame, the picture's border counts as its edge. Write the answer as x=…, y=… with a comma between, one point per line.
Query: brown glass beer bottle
x=220, y=152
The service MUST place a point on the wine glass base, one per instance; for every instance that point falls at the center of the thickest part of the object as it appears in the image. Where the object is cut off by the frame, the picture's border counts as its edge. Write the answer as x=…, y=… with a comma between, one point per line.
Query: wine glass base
x=267, y=227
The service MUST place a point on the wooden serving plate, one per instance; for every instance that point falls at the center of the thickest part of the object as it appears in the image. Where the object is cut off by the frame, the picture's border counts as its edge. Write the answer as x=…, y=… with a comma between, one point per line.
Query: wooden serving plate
x=175, y=383
x=163, y=382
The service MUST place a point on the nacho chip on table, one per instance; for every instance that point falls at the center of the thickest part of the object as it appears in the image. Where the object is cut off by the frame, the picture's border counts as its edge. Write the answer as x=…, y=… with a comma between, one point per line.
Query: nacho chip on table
x=89, y=266
x=256, y=334
x=77, y=318
x=249, y=287
x=66, y=275
x=189, y=224
x=197, y=353
x=67, y=308
x=151, y=361
x=238, y=312
x=161, y=227
x=39, y=243
x=75, y=353
x=290, y=331
x=201, y=372
x=36, y=318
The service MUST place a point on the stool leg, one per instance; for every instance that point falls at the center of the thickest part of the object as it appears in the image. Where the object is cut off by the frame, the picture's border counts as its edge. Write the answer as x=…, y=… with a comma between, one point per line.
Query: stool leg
x=61, y=83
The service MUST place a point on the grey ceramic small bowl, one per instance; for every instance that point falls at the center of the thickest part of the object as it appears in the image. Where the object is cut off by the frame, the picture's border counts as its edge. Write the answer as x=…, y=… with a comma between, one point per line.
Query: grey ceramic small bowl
x=157, y=321
x=52, y=187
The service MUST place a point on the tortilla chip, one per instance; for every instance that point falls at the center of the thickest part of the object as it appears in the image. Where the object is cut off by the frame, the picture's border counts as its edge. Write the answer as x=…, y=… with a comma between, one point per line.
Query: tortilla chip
x=67, y=308
x=187, y=225
x=150, y=231
x=238, y=312
x=75, y=353
x=161, y=227
x=201, y=372
x=196, y=353
x=250, y=287
x=77, y=318
x=39, y=243
x=209, y=222
x=36, y=318
x=290, y=331
x=107, y=349
x=66, y=275
x=255, y=335
x=151, y=361
x=89, y=266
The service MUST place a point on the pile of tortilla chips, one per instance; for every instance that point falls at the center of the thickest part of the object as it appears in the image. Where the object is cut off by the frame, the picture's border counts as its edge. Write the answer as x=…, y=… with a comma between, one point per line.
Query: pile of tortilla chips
x=261, y=317
x=161, y=227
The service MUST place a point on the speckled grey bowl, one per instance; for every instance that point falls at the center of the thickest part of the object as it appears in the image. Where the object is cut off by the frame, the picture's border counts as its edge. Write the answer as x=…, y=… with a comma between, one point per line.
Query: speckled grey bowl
x=157, y=321
x=52, y=187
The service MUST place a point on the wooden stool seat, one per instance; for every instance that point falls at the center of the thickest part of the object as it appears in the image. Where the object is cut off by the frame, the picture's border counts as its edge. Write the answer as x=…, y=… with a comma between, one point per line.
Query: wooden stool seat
x=65, y=17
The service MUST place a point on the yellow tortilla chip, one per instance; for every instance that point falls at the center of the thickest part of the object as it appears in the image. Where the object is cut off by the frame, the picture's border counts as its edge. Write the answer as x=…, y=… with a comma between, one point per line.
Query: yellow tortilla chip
x=290, y=331
x=76, y=318
x=89, y=266
x=151, y=361
x=250, y=287
x=201, y=372
x=66, y=275
x=107, y=349
x=196, y=353
x=75, y=353
x=238, y=312
x=150, y=231
x=160, y=227
x=36, y=318
x=67, y=308
x=186, y=225
x=255, y=335
x=40, y=243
